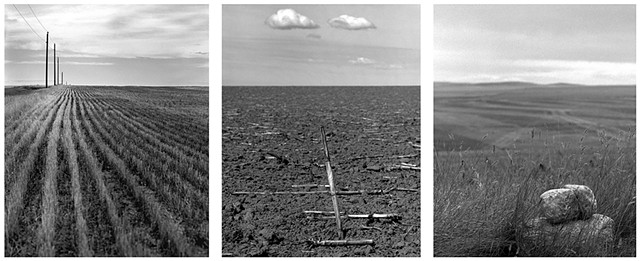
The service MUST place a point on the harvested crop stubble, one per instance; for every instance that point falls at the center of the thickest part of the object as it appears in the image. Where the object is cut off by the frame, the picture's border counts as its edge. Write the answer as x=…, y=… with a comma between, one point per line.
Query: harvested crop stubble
x=110, y=171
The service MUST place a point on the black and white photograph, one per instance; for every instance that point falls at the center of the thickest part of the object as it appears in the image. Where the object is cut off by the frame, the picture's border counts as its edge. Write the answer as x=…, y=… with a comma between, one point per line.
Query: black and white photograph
x=534, y=130
x=320, y=131
x=106, y=130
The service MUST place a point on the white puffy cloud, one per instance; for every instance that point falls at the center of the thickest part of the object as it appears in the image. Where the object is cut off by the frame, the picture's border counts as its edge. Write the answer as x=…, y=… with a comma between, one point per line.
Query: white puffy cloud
x=351, y=23
x=286, y=19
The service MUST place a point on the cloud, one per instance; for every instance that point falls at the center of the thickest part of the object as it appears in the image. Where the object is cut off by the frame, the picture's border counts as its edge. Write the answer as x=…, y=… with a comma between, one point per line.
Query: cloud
x=123, y=31
x=351, y=23
x=286, y=19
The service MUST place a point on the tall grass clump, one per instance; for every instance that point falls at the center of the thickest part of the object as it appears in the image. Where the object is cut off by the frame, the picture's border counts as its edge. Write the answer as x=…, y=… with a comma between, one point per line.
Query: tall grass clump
x=482, y=199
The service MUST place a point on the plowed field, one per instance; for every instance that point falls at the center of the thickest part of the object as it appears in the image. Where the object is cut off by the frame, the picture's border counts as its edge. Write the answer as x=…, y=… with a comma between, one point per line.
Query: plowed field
x=271, y=141
x=106, y=171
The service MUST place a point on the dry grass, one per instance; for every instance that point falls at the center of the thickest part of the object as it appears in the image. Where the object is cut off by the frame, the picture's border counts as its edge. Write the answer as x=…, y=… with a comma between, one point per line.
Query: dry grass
x=482, y=198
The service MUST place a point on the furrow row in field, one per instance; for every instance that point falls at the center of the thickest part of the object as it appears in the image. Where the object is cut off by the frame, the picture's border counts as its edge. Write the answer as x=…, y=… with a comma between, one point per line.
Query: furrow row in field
x=193, y=144
x=164, y=106
x=175, y=138
x=133, y=232
x=14, y=202
x=47, y=230
x=195, y=163
x=121, y=227
x=182, y=198
x=170, y=230
x=72, y=159
x=26, y=105
x=14, y=149
x=15, y=128
x=155, y=166
x=164, y=166
x=183, y=126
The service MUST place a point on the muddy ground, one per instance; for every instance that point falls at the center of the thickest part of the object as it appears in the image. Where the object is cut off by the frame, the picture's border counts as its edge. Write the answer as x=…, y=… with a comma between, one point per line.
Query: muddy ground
x=271, y=140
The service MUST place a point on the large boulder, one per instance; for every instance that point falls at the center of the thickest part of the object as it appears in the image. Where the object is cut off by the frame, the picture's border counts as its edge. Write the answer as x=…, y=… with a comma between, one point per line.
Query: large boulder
x=572, y=202
x=579, y=236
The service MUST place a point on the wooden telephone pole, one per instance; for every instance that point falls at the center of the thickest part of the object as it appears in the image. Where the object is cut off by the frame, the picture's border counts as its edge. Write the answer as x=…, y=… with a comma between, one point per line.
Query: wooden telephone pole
x=54, y=66
x=59, y=81
x=62, y=81
x=46, y=64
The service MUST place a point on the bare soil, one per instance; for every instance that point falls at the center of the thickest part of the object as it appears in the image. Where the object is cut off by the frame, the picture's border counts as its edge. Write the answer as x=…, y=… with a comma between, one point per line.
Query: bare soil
x=271, y=141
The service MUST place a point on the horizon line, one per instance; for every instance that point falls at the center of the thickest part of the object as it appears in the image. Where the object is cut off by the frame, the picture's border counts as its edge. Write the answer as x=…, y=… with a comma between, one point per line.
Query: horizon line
x=535, y=83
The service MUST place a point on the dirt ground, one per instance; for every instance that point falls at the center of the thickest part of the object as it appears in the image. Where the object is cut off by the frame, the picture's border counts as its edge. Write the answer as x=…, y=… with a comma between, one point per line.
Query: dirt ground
x=271, y=140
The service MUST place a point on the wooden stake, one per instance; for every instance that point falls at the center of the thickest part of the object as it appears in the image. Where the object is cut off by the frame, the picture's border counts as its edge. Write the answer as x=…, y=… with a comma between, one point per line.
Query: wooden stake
x=342, y=193
x=364, y=216
x=319, y=212
x=340, y=242
x=332, y=187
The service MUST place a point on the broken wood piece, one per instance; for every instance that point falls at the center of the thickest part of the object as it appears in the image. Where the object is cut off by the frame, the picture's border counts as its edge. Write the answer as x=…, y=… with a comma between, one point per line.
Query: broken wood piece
x=401, y=167
x=320, y=212
x=340, y=242
x=310, y=186
x=362, y=216
x=278, y=192
x=408, y=189
x=408, y=164
x=341, y=193
x=316, y=186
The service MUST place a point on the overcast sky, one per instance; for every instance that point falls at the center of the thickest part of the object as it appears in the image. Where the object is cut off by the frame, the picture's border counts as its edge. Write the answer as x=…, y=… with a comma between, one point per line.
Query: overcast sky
x=586, y=44
x=110, y=44
x=321, y=45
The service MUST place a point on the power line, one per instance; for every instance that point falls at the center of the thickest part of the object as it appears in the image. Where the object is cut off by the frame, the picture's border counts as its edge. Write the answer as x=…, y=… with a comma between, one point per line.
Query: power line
x=34, y=14
x=25, y=20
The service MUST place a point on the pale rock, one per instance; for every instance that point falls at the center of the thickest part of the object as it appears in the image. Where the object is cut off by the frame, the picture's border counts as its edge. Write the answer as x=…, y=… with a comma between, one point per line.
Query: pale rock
x=573, y=202
x=595, y=233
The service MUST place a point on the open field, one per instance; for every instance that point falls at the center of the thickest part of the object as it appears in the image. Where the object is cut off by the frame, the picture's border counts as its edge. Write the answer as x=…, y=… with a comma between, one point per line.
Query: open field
x=499, y=146
x=271, y=140
x=106, y=171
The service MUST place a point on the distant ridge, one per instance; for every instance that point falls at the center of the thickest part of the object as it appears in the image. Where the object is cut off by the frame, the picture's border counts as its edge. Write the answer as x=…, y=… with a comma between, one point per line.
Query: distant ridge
x=519, y=84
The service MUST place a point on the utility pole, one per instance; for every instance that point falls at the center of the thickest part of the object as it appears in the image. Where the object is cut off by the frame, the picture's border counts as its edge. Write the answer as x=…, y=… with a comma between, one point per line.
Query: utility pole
x=59, y=81
x=54, y=66
x=62, y=81
x=46, y=64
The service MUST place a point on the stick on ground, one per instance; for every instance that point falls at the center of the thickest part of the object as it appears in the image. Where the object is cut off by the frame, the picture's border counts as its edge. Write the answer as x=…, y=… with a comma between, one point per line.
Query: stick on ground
x=340, y=242
x=332, y=186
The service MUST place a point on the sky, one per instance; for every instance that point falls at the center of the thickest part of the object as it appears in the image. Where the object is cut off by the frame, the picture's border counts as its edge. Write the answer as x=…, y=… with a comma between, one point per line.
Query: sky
x=320, y=45
x=583, y=44
x=109, y=44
